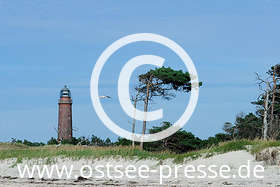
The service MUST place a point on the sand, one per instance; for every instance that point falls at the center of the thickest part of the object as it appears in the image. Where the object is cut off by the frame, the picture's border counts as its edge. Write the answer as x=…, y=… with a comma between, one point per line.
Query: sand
x=9, y=175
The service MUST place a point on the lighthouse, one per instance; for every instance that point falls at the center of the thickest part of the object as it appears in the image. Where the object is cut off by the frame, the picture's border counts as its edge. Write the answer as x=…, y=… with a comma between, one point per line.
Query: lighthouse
x=65, y=115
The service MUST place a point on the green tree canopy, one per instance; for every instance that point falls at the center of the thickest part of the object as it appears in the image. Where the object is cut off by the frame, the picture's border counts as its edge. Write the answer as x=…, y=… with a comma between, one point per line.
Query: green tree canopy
x=180, y=142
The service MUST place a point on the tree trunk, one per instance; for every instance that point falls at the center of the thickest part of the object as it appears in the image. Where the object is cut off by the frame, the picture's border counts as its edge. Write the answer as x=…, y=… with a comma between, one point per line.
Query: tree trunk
x=133, y=123
x=265, y=123
x=273, y=102
x=134, y=120
x=145, y=116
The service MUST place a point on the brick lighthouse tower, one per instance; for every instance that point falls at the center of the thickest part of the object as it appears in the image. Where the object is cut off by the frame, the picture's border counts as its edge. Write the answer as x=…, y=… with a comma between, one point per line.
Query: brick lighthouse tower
x=65, y=115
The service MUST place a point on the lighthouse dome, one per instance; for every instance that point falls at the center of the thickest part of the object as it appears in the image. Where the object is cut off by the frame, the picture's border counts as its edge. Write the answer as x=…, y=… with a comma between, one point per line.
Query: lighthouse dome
x=65, y=92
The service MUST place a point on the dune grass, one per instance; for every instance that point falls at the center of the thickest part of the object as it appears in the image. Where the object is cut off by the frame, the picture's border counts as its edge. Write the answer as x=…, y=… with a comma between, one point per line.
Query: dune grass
x=20, y=152
x=263, y=145
x=78, y=152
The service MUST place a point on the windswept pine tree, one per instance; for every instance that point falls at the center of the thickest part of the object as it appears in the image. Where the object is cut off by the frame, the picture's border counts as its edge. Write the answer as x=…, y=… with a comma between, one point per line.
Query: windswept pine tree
x=162, y=82
x=268, y=103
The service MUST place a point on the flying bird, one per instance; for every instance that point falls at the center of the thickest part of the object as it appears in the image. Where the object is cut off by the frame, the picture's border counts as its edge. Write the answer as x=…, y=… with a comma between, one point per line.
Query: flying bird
x=104, y=96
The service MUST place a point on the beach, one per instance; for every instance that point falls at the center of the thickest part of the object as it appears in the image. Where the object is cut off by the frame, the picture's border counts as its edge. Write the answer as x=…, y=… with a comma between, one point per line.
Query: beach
x=271, y=175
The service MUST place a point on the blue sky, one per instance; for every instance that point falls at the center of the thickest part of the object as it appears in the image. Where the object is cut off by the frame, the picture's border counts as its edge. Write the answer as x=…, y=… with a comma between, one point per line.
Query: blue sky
x=47, y=44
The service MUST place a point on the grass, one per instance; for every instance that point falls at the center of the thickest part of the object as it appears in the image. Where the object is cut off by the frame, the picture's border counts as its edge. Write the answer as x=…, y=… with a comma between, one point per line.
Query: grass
x=263, y=145
x=21, y=152
x=78, y=152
